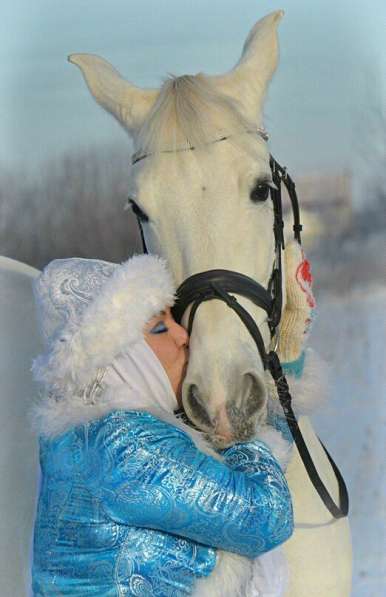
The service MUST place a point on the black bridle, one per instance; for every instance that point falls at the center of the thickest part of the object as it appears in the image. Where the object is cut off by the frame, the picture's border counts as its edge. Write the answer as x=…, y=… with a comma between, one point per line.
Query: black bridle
x=218, y=284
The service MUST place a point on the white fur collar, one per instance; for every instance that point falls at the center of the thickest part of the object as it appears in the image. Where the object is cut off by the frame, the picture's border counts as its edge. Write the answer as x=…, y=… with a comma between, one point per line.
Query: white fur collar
x=309, y=392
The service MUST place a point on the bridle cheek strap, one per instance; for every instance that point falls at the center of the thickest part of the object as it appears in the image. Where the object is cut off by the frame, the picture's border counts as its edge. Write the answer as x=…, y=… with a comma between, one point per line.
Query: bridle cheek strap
x=217, y=284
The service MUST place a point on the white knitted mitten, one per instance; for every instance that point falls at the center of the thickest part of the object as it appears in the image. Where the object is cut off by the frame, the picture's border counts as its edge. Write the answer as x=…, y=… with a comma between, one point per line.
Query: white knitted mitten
x=297, y=314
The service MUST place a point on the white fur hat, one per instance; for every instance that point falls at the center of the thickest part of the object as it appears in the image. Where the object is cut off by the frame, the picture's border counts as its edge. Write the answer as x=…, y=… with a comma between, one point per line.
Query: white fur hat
x=92, y=310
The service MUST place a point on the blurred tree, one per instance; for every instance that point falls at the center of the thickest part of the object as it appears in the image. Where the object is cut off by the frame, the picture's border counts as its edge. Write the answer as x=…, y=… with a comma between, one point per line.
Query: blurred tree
x=73, y=206
x=371, y=151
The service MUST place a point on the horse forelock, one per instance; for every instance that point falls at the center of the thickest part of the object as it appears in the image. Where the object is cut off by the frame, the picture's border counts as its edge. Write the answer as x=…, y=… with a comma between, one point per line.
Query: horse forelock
x=191, y=112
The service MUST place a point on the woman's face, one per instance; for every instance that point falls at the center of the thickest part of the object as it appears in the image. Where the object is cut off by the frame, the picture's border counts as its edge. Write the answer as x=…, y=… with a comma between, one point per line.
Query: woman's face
x=169, y=341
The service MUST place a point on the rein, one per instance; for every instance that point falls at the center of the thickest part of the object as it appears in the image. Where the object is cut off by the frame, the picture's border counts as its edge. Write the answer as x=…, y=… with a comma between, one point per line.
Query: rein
x=217, y=284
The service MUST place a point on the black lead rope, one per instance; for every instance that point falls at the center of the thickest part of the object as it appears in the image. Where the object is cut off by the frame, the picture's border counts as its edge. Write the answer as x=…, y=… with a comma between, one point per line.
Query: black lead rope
x=337, y=511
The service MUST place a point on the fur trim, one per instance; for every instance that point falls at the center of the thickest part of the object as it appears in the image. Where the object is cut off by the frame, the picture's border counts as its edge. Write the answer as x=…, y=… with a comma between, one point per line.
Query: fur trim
x=136, y=291
x=51, y=417
x=280, y=448
x=236, y=576
x=228, y=579
x=309, y=392
x=269, y=575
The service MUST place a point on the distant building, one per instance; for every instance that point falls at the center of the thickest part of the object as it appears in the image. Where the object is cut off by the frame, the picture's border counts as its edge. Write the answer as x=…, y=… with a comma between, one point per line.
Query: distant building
x=325, y=204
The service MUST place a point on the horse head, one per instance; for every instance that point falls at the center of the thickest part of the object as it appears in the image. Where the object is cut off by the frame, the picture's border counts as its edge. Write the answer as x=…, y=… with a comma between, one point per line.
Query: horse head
x=199, y=184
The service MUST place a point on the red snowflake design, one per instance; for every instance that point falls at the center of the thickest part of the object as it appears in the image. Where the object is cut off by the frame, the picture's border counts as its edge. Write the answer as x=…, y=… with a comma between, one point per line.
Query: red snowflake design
x=304, y=279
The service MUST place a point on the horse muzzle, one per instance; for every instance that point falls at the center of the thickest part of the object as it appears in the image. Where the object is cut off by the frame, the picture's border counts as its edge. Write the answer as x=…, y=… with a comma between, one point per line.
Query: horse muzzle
x=232, y=419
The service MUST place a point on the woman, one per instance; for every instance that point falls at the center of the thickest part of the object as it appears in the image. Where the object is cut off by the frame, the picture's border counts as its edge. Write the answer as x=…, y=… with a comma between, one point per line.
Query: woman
x=129, y=505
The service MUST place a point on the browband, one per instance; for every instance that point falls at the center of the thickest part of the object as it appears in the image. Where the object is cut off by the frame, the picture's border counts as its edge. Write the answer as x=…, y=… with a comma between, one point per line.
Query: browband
x=139, y=155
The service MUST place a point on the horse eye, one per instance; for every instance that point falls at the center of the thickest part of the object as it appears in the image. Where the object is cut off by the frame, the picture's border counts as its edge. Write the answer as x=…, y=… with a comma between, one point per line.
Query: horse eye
x=138, y=211
x=259, y=192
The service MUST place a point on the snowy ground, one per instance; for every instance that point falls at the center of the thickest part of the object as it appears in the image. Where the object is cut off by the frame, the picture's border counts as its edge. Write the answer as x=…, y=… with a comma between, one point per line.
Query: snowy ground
x=350, y=333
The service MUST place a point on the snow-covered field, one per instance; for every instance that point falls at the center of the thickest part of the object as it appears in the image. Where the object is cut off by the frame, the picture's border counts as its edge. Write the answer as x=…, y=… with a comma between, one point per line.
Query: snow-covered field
x=350, y=333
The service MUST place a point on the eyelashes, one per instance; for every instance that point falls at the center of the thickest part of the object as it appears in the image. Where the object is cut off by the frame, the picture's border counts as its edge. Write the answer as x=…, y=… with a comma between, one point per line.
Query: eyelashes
x=260, y=192
x=159, y=328
x=138, y=211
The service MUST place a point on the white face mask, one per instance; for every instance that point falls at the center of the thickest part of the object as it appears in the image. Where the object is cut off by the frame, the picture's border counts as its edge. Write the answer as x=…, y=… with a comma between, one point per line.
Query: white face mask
x=148, y=385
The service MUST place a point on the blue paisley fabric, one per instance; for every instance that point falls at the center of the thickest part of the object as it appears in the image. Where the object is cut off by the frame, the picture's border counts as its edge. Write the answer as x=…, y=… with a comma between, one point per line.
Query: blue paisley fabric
x=64, y=290
x=129, y=506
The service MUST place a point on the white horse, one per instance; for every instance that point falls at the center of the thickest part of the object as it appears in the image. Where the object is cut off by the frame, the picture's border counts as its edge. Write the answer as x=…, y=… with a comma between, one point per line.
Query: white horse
x=199, y=216
x=19, y=343
x=201, y=210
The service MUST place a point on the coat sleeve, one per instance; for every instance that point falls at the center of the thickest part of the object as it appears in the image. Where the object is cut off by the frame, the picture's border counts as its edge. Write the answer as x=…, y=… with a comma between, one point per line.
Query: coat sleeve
x=148, y=473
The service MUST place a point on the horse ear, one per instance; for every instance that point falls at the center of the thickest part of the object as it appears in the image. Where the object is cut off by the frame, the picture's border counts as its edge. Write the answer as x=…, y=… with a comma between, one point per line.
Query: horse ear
x=127, y=103
x=248, y=80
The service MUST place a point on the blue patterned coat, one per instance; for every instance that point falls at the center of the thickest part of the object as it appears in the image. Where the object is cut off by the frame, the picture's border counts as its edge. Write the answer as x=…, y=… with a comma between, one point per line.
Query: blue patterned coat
x=110, y=486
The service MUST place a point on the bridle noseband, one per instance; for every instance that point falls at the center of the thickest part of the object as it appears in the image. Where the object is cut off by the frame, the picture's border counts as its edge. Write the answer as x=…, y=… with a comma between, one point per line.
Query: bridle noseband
x=218, y=284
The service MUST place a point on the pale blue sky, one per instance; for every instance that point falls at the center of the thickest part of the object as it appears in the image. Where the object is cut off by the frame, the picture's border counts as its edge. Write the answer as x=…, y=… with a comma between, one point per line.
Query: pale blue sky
x=332, y=55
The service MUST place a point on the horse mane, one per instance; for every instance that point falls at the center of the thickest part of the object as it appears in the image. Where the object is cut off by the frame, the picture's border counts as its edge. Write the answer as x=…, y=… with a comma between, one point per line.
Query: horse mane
x=190, y=112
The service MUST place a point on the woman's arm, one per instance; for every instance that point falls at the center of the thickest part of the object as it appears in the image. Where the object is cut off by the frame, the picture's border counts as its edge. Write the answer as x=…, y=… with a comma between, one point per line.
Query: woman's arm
x=150, y=474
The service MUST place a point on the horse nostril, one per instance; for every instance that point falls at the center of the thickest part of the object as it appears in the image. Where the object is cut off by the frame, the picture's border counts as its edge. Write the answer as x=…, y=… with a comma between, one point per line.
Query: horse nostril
x=254, y=395
x=195, y=406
